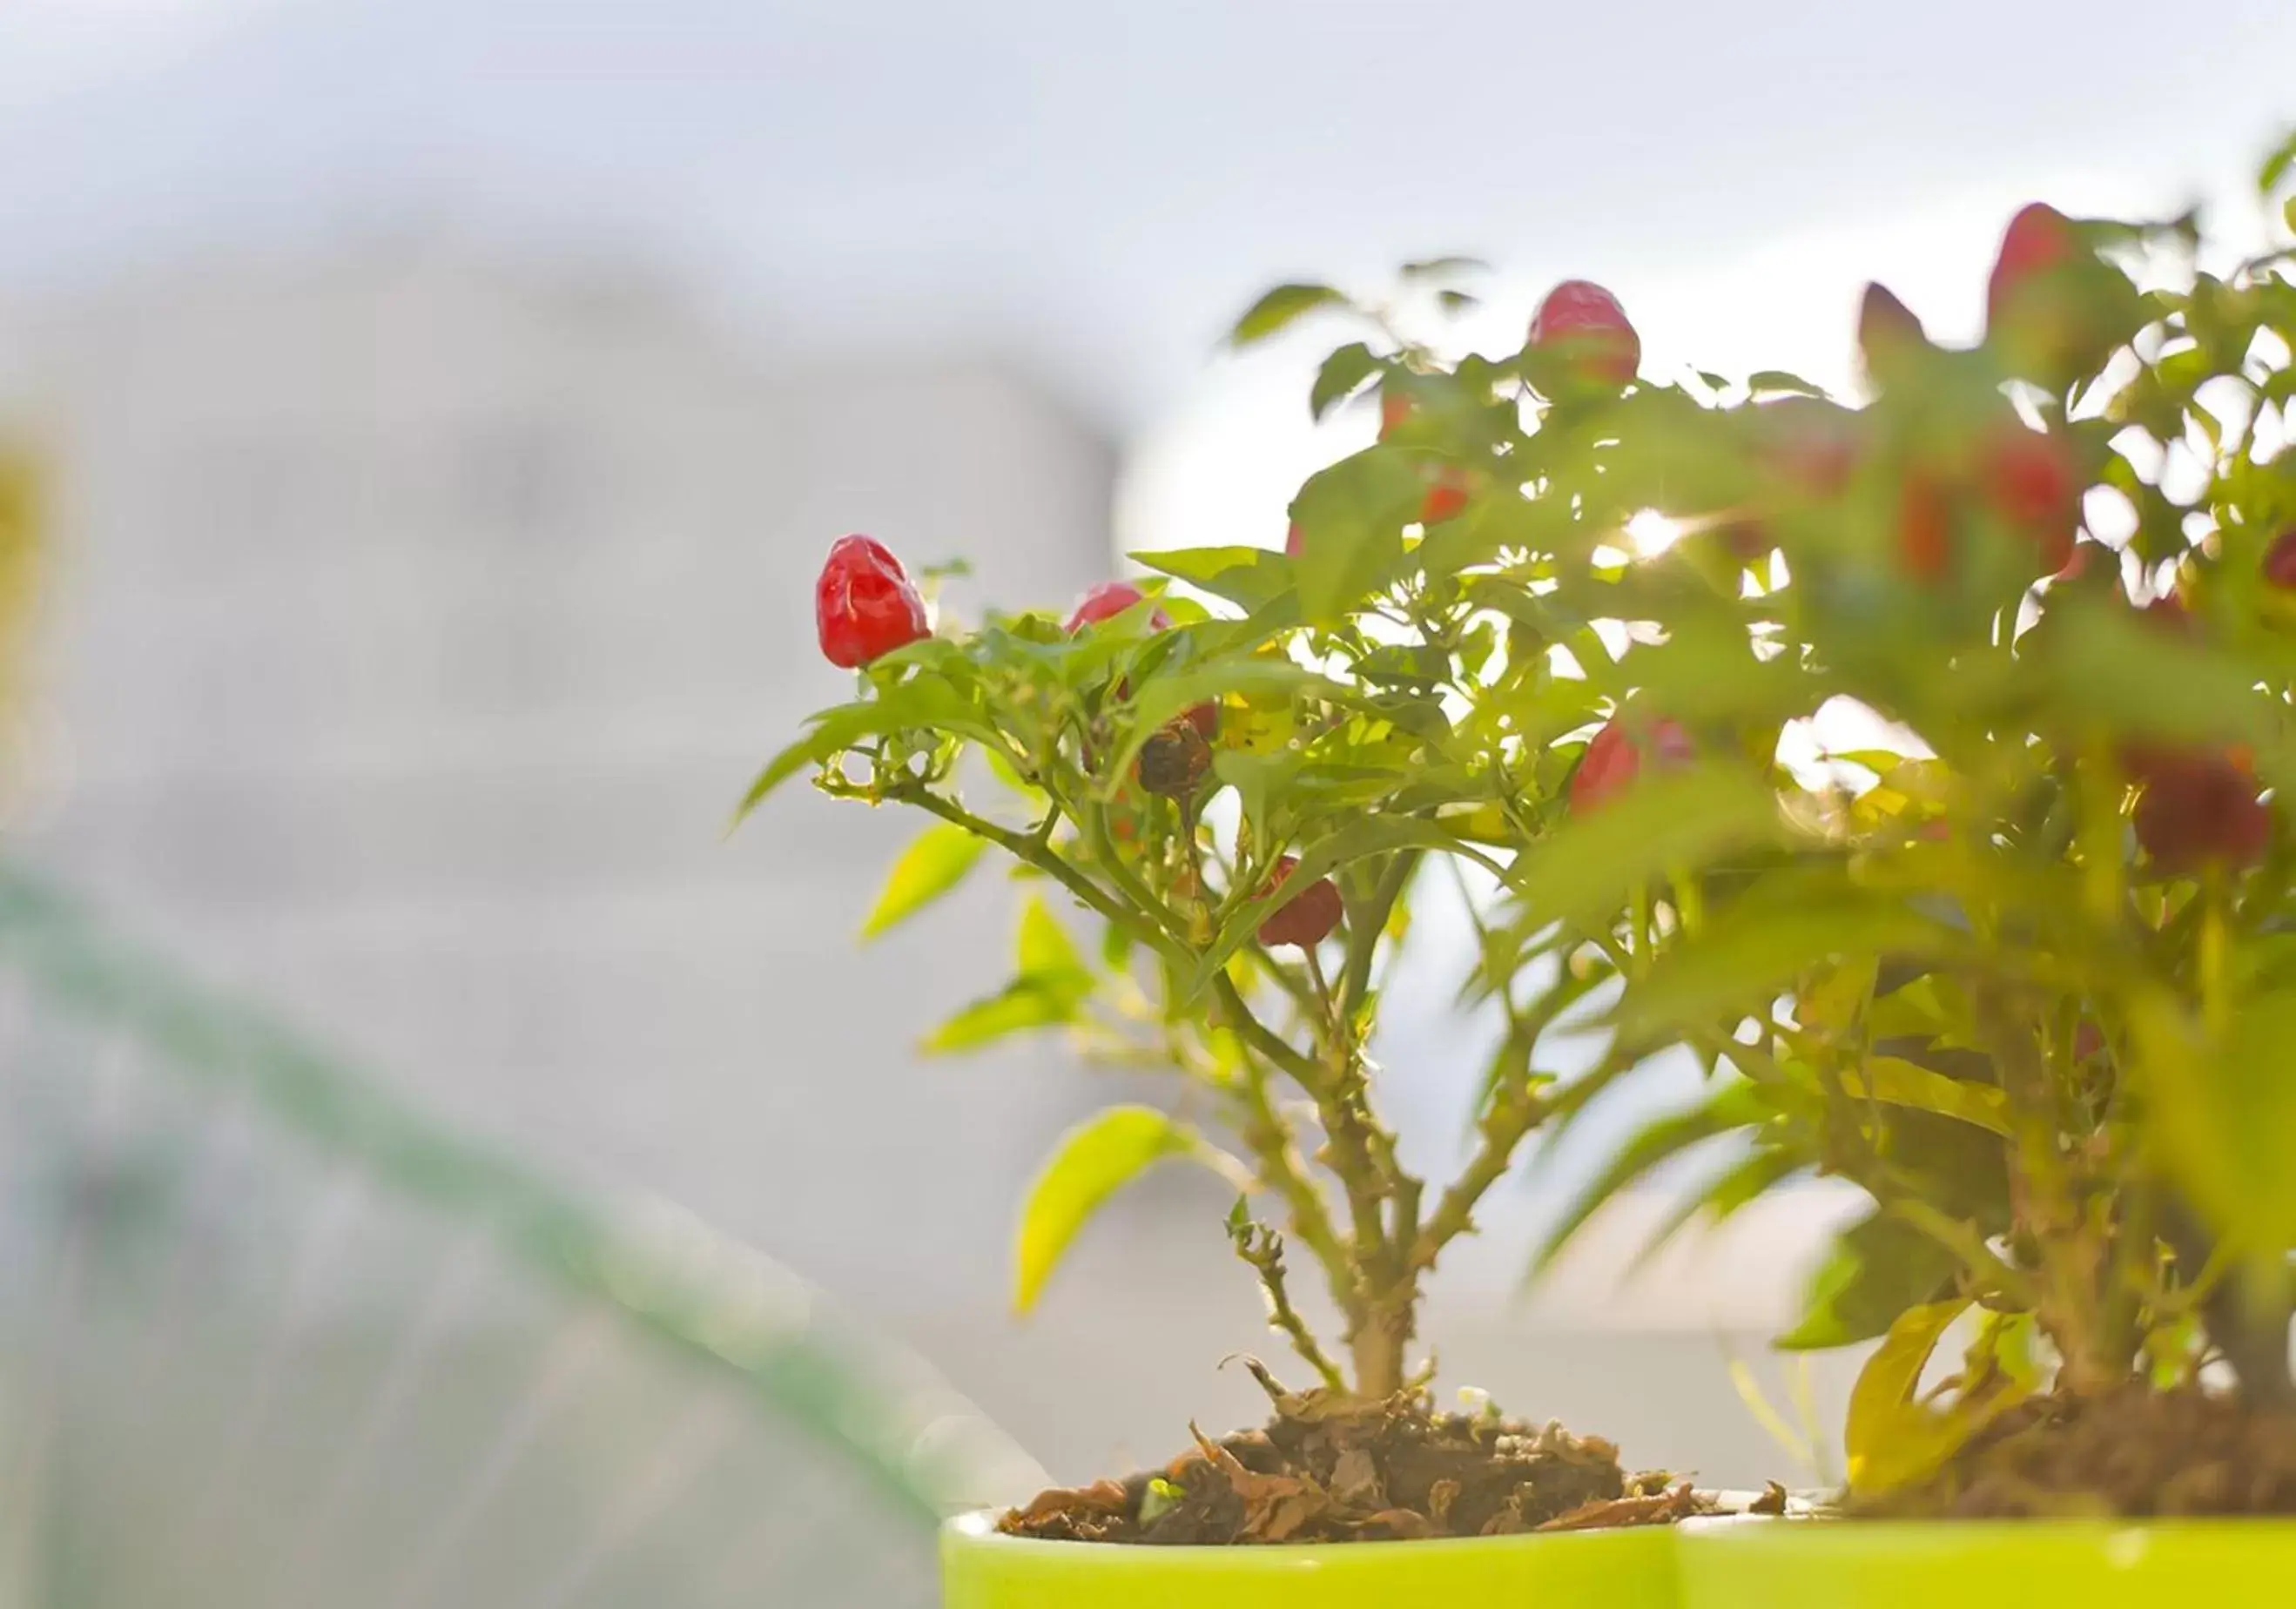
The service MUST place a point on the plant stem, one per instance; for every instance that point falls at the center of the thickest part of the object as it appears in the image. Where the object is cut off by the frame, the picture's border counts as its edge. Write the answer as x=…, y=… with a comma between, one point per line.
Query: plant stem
x=1265, y=1253
x=1025, y=848
x=1282, y=1171
x=1365, y=925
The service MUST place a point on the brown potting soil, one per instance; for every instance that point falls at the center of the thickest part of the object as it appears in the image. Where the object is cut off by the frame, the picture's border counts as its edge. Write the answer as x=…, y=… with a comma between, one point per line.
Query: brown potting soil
x=1333, y=1468
x=2131, y=1453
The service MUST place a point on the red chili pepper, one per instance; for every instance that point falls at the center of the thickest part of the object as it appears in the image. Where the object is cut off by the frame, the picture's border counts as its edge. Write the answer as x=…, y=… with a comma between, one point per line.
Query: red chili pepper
x=2199, y=809
x=864, y=604
x=1109, y=599
x=1308, y=917
x=2280, y=559
x=1614, y=758
x=1582, y=319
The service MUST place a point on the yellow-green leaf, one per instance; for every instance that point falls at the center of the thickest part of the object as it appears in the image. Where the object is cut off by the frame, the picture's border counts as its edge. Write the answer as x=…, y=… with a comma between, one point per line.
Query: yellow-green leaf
x=1043, y=948
x=1897, y=1082
x=1586, y=869
x=1092, y=1162
x=1278, y=308
x=1892, y=1438
x=933, y=864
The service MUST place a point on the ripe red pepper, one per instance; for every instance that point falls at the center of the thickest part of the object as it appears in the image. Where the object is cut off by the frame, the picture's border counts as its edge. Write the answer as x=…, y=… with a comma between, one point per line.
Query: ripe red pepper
x=1394, y=407
x=1925, y=527
x=2199, y=809
x=1109, y=599
x=2280, y=559
x=864, y=605
x=1614, y=758
x=1308, y=917
x=1582, y=319
x=1447, y=491
x=2035, y=482
x=2039, y=240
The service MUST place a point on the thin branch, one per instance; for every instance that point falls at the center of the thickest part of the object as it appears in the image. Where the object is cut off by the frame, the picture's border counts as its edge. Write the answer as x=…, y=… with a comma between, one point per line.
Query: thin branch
x=1023, y=846
x=1269, y=1139
x=1364, y=927
x=1263, y=1249
x=1343, y=1127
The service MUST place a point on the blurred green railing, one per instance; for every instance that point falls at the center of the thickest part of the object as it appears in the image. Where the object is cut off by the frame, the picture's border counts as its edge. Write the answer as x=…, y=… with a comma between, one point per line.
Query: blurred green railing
x=270, y=1336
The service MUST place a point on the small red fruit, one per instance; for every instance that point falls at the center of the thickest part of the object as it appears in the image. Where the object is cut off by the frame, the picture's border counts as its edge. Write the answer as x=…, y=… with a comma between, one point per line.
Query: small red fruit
x=2039, y=240
x=1394, y=407
x=1308, y=916
x=1108, y=600
x=1582, y=319
x=864, y=604
x=2280, y=559
x=1614, y=758
x=1925, y=527
x=2033, y=480
x=1446, y=495
x=2199, y=809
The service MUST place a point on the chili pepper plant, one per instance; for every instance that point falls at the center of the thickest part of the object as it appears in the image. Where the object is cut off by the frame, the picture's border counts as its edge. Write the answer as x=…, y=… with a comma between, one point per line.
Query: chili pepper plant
x=1224, y=797
x=2022, y=964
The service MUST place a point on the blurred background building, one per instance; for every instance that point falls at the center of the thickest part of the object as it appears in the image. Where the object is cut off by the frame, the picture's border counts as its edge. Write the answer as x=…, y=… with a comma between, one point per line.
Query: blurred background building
x=450, y=404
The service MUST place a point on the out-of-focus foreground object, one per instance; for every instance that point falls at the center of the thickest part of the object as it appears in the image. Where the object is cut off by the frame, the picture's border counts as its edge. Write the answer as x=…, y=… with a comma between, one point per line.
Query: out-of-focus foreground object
x=272, y=1338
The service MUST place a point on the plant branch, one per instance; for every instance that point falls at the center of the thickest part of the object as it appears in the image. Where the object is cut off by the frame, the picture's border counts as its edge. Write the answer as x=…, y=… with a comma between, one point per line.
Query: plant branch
x=1263, y=1249
x=1343, y=1128
x=1023, y=846
x=1365, y=925
x=1269, y=1139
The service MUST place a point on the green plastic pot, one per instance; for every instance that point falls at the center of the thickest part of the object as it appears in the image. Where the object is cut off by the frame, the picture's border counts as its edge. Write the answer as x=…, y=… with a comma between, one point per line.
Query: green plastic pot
x=1751, y=1563
x=1633, y=1569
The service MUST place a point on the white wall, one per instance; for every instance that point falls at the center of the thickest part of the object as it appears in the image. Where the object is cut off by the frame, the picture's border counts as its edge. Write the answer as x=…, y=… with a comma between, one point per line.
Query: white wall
x=422, y=617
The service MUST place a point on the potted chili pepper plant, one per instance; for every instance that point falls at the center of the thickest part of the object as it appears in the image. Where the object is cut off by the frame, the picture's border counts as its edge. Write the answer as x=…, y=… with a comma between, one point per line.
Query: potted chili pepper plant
x=1224, y=799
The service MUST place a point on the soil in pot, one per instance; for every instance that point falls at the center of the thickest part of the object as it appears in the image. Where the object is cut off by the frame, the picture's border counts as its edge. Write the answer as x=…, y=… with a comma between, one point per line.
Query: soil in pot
x=1329, y=1467
x=2133, y=1453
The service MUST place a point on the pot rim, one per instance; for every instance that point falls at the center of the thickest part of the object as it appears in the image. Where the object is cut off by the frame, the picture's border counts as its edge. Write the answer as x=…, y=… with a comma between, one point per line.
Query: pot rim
x=977, y=1529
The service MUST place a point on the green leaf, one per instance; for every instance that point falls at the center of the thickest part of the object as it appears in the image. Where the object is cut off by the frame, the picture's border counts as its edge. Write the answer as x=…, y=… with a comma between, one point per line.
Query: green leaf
x=831, y=732
x=1456, y=301
x=1740, y=1185
x=1351, y=517
x=934, y=863
x=930, y=701
x=1891, y=1438
x=1342, y=376
x=2224, y=1116
x=1248, y=576
x=1021, y=1005
x=1737, y=1104
x=1043, y=948
x=2277, y=164
x=1780, y=380
x=1091, y=1164
x=1049, y=990
x=1586, y=870
x=1752, y=951
x=2106, y=664
x=1444, y=267
x=1878, y=1268
x=1278, y=308
x=1897, y=1082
